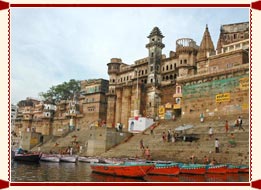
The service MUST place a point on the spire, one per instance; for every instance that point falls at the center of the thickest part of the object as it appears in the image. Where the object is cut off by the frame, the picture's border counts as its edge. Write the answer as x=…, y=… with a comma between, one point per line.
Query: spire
x=206, y=45
x=155, y=32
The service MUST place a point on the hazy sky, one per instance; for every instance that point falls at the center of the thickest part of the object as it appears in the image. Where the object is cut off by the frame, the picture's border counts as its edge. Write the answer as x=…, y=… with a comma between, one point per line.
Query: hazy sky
x=52, y=45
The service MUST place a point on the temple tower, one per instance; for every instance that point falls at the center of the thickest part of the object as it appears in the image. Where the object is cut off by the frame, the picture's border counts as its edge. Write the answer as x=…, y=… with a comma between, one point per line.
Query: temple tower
x=155, y=47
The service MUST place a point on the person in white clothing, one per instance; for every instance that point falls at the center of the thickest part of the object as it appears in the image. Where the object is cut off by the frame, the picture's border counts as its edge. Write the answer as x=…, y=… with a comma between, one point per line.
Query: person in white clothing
x=217, y=145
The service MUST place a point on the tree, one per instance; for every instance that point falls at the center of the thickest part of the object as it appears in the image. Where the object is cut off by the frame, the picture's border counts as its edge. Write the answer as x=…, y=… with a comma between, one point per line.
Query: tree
x=64, y=91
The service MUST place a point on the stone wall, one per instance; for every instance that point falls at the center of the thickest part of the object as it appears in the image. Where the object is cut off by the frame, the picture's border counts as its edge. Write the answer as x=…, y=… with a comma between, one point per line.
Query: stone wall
x=217, y=97
x=102, y=139
x=29, y=140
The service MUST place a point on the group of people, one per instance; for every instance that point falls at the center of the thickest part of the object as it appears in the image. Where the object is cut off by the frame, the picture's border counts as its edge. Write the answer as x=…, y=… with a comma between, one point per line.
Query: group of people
x=170, y=136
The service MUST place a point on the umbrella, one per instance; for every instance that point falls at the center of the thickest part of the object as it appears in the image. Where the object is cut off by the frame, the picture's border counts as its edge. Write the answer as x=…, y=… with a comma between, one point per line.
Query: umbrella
x=183, y=127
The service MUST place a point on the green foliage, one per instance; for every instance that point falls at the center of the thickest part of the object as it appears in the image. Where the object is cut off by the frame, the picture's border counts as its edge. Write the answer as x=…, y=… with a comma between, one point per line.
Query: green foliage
x=63, y=91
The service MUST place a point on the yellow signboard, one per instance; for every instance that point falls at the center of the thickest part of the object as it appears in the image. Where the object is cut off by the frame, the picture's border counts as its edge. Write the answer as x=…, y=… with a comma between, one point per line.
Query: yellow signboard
x=161, y=112
x=33, y=141
x=223, y=97
x=244, y=83
x=168, y=105
x=177, y=106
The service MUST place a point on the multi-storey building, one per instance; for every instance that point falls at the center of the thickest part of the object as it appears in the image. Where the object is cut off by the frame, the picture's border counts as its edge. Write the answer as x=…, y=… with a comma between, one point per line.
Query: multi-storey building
x=182, y=84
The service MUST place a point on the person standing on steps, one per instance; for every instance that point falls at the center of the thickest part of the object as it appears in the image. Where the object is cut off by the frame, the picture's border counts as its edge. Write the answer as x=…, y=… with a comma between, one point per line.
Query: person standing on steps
x=201, y=116
x=210, y=132
x=240, y=123
x=147, y=153
x=217, y=145
x=226, y=126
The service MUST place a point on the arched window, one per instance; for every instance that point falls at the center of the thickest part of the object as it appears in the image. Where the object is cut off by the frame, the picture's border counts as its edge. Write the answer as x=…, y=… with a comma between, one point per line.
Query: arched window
x=167, y=77
x=171, y=77
x=167, y=67
x=171, y=67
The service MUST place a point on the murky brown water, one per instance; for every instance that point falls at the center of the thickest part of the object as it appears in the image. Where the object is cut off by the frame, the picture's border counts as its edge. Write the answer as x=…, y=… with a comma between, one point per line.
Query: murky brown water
x=81, y=172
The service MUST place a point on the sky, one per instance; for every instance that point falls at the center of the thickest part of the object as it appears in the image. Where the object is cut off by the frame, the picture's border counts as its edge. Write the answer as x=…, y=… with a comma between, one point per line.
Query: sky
x=50, y=46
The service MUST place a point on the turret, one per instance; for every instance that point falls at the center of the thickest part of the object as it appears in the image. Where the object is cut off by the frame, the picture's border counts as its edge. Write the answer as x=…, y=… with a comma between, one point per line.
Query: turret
x=155, y=47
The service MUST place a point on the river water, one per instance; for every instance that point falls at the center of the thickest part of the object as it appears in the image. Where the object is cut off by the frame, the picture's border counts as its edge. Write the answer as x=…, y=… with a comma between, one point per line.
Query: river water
x=81, y=172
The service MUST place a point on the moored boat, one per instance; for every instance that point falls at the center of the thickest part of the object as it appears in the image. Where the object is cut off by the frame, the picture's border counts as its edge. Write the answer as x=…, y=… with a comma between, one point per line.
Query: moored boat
x=68, y=158
x=27, y=157
x=217, y=169
x=50, y=158
x=165, y=169
x=243, y=169
x=123, y=169
x=88, y=159
x=192, y=168
x=232, y=168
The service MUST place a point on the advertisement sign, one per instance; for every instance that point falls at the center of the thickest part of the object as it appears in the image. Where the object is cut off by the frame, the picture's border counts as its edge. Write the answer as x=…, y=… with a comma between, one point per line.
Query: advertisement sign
x=223, y=97
x=161, y=112
x=244, y=83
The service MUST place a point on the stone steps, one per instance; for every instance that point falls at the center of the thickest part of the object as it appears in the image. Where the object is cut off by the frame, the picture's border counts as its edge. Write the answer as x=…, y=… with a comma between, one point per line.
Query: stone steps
x=181, y=151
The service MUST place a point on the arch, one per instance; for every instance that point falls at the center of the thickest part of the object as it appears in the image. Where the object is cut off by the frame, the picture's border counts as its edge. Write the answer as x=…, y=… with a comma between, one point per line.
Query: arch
x=171, y=66
x=167, y=68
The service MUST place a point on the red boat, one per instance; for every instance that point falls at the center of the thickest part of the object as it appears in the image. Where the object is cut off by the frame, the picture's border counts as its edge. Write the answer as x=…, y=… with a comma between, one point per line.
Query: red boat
x=165, y=169
x=193, y=169
x=217, y=169
x=124, y=169
x=243, y=169
x=232, y=169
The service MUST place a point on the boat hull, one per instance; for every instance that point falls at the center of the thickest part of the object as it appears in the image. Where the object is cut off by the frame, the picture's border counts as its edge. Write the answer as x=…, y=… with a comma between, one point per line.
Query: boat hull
x=193, y=169
x=217, y=169
x=71, y=159
x=50, y=158
x=138, y=170
x=165, y=169
x=232, y=169
x=88, y=159
x=27, y=157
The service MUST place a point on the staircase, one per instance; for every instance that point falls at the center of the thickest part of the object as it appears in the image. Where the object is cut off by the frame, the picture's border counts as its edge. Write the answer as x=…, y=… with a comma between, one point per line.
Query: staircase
x=181, y=151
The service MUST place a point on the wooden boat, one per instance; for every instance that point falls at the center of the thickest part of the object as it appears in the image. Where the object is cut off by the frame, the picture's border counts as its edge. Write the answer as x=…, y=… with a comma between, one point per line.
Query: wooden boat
x=88, y=159
x=232, y=169
x=243, y=169
x=165, y=169
x=50, y=158
x=192, y=168
x=110, y=161
x=217, y=169
x=68, y=158
x=27, y=157
x=124, y=169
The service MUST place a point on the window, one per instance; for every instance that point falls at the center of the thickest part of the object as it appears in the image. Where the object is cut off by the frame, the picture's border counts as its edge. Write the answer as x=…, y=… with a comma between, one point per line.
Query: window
x=152, y=54
x=185, y=61
x=151, y=68
x=181, y=62
x=163, y=68
x=171, y=67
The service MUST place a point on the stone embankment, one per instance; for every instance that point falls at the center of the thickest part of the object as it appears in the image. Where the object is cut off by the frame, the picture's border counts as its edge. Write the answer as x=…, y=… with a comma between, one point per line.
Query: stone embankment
x=181, y=151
